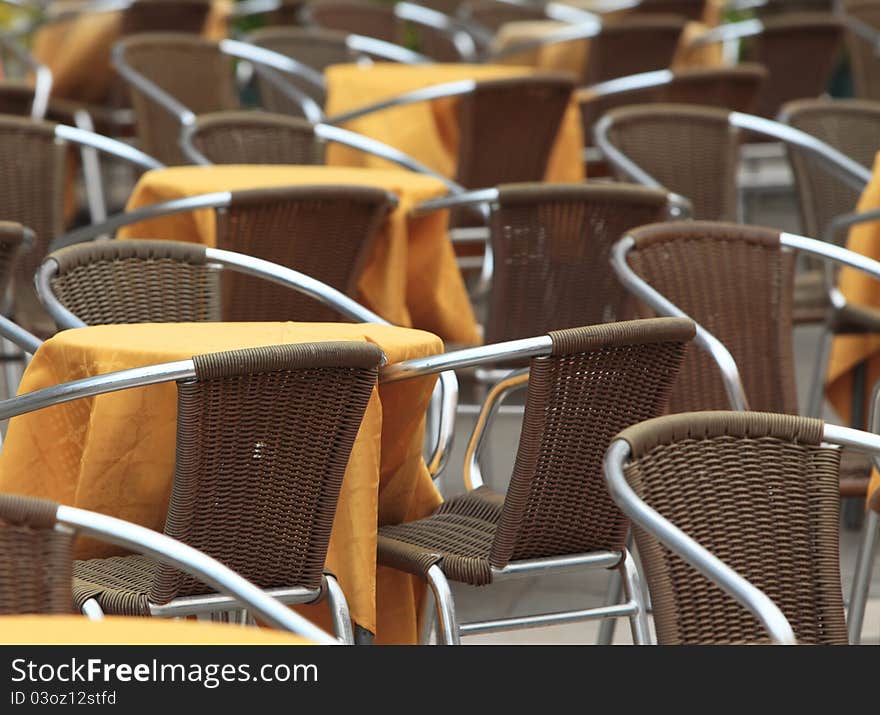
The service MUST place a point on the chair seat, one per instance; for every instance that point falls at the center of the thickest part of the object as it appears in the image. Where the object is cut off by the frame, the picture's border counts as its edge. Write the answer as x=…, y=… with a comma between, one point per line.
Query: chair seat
x=810, y=298
x=458, y=537
x=120, y=584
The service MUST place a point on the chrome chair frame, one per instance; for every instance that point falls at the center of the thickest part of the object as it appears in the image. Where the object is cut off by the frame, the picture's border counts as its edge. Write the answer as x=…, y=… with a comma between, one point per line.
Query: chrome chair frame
x=445, y=394
x=42, y=74
x=738, y=588
x=450, y=630
x=329, y=133
x=233, y=587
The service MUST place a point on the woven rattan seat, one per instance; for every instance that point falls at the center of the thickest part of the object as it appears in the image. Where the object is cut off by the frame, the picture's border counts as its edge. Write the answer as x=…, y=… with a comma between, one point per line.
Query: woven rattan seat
x=690, y=150
x=263, y=441
x=256, y=138
x=192, y=70
x=761, y=493
x=551, y=245
x=35, y=558
x=738, y=283
x=597, y=378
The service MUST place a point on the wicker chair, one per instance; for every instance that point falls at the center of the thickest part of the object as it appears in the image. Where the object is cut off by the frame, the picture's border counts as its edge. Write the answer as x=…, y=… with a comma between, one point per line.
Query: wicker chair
x=737, y=282
x=491, y=14
x=165, y=16
x=36, y=562
x=689, y=9
x=302, y=405
x=551, y=245
x=205, y=86
x=863, y=29
x=556, y=507
x=334, y=229
x=759, y=492
x=254, y=138
x=630, y=45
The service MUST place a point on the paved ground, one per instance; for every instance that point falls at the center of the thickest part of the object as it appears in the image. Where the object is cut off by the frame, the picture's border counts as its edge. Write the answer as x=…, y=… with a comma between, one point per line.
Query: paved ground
x=774, y=208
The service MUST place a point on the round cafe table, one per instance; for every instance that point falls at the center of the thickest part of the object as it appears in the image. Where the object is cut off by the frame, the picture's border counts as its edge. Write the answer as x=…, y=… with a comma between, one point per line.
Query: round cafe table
x=114, y=453
x=410, y=279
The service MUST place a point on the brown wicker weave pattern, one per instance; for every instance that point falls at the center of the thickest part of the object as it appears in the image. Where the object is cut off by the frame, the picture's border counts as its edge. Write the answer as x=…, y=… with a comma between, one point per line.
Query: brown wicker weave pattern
x=31, y=193
x=165, y=16
x=12, y=236
x=862, y=56
x=256, y=138
x=690, y=150
x=551, y=247
x=690, y=9
x=495, y=119
x=190, y=69
x=760, y=493
x=264, y=437
x=492, y=14
x=733, y=88
x=640, y=43
x=110, y=282
x=316, y=47
x=35, y=558
x=326, y=232
x=788, y=44
x=357, y=16
x=16, y=97
x=736, y=282
x=850, y=126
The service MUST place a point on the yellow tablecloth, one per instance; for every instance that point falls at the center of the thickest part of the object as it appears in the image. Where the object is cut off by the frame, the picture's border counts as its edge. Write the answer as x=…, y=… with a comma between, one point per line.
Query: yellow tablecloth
x=78, y=50
x=572, y=56
x=849, y=350
x=78, y=630
x=411, y=279
x=115, y=453
x=428, y=131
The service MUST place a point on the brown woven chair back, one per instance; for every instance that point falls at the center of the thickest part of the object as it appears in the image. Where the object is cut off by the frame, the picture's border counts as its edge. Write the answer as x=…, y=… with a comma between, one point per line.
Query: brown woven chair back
x=639, y=43
x=288, y=13
x=263, y=440
x=690, y=150
x=357, y=17
x=785, y=7
x=16, y=97
x=256, y=138
x=733, y=88
x=165, y=16
x=32, y=193
x=850, y=126
x=761, y=493
x=35, y=558
x=737, y=283
x=190, y=69
x=551, y=246
x=137, y=281
x=492, y=14
x=13, y=237
x=313, y=46
x=788, y=44
x=864, y=63
x=597, y=379
x=689, y=9
x=495, y=118
x=326, y=232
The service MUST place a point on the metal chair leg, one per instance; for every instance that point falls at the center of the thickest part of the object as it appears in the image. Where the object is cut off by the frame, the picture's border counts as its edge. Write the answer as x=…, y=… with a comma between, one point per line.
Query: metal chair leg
x=638, y=622
x=862, y=578
x=92, y=610
x=613, y=595
x=448, y=632
x=339, y=610
x=816, y=395
x=429, y=621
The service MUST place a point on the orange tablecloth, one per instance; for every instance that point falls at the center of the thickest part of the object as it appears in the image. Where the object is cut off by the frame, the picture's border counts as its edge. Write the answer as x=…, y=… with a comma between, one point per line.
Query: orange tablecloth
x=428, y=131
x=849, y=350
x=78, y=50
x=411, y=279
x=115, y=453
x=78, y=630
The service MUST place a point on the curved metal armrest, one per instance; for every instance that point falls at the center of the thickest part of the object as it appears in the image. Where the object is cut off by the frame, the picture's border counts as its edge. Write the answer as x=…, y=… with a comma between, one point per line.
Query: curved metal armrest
x=42, y=75
x=385, y=50
x=729, y=31
x=206, y=569
x=629, y=83
x=448, y=26
x=517, y=379
x=617, y=158
x=249, y=8
x=847, y=221
x=106, y=145
x=425, y=94
x=22, y=338
x=327, y=132
x=733, y=384
x=219, y=199
x=751, y=598
x=581, y=31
